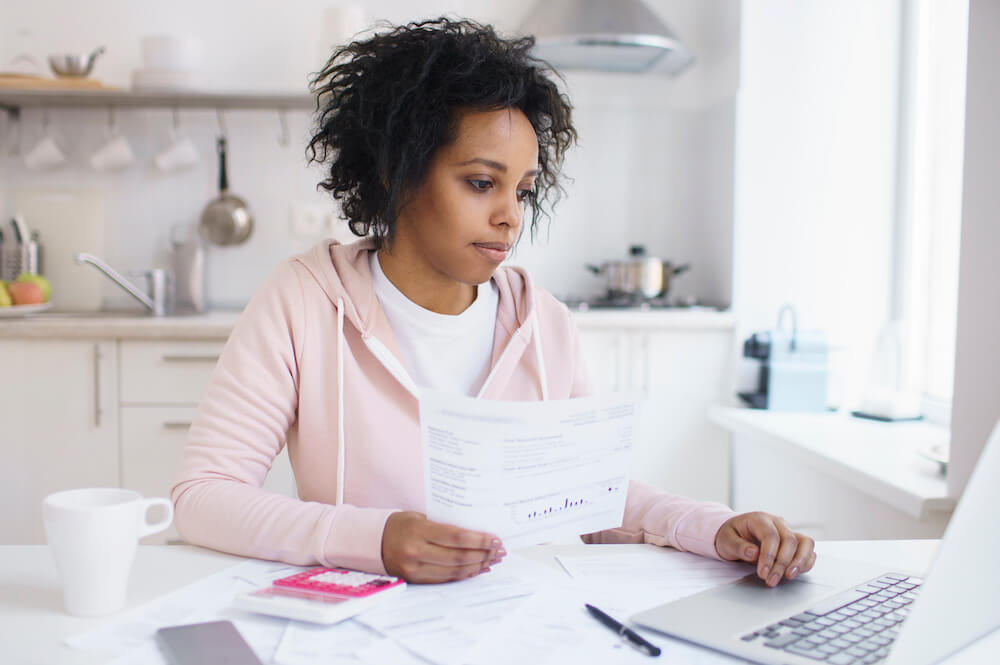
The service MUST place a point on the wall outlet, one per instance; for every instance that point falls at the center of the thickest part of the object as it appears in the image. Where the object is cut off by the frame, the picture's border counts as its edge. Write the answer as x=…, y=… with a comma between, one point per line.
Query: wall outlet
x=337, y=228
x=308, y=220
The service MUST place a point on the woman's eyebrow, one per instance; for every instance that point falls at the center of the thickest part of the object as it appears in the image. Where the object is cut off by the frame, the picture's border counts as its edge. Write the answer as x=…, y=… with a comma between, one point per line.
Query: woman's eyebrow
x=494, y=165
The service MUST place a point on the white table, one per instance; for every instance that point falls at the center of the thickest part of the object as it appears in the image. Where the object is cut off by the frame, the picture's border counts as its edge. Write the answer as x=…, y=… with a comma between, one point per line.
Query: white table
x=33, y=622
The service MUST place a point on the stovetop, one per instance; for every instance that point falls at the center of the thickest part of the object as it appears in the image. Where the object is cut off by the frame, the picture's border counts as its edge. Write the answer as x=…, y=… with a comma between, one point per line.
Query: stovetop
x=636, y=302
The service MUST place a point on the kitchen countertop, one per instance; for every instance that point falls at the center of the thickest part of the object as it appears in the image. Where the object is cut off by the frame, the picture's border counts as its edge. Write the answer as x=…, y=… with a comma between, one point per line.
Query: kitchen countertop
x=218, y=325
x=126, y=325
x=882, y=460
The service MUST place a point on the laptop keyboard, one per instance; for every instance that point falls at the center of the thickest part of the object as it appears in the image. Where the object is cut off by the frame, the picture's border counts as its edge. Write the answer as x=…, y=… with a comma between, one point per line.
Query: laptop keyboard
x=856, y=627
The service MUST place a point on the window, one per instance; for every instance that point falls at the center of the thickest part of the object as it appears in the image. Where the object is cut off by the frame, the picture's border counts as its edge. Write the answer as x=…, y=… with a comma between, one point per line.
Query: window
x=930, y=196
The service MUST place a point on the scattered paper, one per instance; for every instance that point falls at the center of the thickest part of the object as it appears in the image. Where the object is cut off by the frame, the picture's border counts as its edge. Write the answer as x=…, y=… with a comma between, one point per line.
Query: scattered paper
x=521, y=611
x=649, y=576
x=530, y=472
x=443, y=622
x=205, y=600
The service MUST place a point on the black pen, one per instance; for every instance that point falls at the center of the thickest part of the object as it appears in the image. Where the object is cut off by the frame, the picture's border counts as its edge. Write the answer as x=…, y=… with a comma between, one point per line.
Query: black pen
x=632, y=637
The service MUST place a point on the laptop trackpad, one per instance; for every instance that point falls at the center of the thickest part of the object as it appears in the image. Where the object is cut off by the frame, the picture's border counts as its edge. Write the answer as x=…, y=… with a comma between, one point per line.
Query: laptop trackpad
x=751, y=592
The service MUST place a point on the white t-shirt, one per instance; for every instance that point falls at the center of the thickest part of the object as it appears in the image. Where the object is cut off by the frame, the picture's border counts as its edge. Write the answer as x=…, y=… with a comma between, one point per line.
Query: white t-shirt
x=441, y=351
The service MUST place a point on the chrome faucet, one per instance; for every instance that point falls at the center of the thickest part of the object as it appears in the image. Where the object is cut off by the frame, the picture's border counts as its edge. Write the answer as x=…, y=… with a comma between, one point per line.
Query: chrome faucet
x=159, y=301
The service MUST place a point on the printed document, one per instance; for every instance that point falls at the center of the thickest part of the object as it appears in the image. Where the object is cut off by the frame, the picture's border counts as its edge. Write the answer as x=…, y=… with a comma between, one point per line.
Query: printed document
x=530, y=472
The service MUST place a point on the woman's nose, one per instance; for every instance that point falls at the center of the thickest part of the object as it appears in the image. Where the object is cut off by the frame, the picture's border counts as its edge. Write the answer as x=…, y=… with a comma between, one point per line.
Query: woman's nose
x=511, y=213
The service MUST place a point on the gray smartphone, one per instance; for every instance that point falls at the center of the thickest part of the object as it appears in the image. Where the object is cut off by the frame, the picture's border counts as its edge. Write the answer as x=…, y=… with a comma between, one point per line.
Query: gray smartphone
x=211, y=643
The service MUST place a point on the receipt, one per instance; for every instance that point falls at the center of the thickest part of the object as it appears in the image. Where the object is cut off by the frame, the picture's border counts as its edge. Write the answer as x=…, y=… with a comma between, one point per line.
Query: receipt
x=530, y=472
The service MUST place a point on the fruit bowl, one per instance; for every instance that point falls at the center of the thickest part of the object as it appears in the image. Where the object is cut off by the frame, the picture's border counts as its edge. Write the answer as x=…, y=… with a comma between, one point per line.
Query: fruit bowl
x=15, y=311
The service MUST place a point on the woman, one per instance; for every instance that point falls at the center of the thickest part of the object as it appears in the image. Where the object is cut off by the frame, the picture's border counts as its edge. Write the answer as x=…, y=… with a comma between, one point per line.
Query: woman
x=440, y=138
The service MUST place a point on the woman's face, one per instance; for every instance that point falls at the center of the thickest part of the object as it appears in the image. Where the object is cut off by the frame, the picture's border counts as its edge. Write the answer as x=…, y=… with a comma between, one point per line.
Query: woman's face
x=463, y=220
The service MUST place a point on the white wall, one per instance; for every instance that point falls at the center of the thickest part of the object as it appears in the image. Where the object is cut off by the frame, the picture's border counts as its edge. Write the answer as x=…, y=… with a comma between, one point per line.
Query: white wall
x=976, y=399
x=654, y=164
x=815, y=171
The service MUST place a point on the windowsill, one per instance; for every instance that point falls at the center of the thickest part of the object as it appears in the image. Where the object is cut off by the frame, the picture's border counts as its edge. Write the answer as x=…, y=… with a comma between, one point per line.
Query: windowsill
x=880, y=459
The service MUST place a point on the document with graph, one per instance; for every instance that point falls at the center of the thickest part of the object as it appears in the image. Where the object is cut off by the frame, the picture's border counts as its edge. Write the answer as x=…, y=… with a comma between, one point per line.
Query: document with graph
x=530, y=472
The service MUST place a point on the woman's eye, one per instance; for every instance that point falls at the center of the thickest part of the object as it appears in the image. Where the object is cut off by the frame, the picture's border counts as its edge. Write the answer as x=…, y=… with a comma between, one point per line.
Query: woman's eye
x=525, y=195
x=480, y=185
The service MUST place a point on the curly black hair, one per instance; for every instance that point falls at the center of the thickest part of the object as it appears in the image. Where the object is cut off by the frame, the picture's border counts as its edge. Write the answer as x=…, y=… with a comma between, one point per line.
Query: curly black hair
x=387, y=103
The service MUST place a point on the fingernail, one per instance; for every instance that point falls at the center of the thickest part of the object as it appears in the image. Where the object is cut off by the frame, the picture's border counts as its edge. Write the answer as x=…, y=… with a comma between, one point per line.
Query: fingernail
x=485, y=570
x=773, y=579
x=496, y=543
x=793, y=572
x=501, y=552
x=764, y=571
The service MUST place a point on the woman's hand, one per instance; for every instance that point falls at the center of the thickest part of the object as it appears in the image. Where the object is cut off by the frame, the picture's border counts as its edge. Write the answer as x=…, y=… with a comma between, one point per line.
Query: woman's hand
x=419, y=550
x=766, y=540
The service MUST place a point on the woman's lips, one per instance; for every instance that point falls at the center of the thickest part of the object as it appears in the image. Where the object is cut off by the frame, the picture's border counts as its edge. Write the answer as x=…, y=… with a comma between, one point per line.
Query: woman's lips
x=495, y=252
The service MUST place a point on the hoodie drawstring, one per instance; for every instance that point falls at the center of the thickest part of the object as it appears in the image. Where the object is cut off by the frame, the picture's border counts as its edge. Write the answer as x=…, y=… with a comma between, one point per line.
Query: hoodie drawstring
x=537, y=330
x=340, y=401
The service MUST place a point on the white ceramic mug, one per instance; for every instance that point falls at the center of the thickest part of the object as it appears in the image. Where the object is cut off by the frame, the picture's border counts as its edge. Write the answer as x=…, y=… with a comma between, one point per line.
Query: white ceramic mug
x=180, y=154
x=93, y=534
x=45, y=154
x=116, y=153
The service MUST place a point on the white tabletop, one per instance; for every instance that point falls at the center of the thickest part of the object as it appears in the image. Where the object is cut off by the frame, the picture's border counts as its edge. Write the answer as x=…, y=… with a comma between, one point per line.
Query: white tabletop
x=33, y=622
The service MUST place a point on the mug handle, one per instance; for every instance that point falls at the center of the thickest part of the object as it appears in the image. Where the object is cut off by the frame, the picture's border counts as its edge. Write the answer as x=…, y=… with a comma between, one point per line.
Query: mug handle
x=145, y=528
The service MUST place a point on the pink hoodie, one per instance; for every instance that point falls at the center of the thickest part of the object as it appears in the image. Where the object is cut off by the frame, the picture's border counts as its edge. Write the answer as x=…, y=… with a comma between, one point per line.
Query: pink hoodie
x=312, y=361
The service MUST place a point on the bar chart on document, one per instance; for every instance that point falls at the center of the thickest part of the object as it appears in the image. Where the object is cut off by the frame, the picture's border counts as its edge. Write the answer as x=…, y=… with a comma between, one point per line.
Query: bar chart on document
x=559, y=505
x=530, y=472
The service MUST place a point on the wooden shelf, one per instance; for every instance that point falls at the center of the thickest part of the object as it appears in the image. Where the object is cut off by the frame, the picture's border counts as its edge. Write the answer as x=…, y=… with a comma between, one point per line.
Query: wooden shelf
x=13, y=100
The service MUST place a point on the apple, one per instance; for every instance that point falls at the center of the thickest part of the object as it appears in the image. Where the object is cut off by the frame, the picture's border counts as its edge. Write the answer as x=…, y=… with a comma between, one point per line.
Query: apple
x=26, y=293
x=5, y=300
x=40, y=281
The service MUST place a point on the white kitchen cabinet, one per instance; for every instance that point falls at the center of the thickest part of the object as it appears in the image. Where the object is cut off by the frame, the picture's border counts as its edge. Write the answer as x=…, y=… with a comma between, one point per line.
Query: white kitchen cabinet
x=161, y=385
x=682, y=371
x=58, y=426
x=166, y=372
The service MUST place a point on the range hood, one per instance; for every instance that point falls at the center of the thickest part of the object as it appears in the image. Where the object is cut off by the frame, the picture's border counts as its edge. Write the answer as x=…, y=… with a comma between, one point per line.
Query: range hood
x=605, y=35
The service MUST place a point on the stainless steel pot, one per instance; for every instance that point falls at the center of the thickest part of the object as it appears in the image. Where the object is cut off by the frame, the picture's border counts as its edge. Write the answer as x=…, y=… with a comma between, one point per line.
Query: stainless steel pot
x=643, y=275
x=226, y=219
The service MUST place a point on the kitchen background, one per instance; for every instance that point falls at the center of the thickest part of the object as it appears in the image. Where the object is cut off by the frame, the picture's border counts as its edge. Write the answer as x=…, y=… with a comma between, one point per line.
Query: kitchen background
x=659, y=163
x=780, y=165
x=806, y=151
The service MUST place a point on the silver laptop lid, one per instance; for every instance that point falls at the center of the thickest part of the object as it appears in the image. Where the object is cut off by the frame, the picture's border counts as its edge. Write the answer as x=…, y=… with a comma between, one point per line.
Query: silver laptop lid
x=960, y=598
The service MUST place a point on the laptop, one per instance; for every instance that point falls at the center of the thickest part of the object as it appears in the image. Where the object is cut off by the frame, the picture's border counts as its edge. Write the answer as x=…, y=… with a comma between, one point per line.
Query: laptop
x=850, y=613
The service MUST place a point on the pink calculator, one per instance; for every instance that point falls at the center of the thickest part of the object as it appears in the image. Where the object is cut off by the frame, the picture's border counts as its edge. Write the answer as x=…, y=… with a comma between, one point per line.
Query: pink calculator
x=339, y=582
x=322, y=595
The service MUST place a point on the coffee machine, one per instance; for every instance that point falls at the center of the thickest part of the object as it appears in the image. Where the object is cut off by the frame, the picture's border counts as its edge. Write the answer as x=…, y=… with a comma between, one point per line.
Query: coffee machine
x=793, y=370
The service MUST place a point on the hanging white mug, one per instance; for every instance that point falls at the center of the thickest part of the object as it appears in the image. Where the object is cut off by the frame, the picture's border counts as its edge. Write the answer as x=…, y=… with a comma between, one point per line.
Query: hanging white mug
x=114, y=153
x=46, y=154
x=180, y=154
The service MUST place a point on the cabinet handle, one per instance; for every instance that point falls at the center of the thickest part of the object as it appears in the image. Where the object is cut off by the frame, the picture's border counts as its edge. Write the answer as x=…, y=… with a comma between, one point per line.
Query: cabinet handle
x=97, y=384
x=176, y=424
x=618, y=362
x=180, y=358
x=645, y=364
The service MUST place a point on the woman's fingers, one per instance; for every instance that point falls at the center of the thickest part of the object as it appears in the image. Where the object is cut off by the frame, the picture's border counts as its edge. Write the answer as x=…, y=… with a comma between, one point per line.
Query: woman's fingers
x=766, y=540
x=764, y=531
x=438, y=555
x=804, y=558
x=419, y=550
x=447, y=535
x=429, y=573
x=786, y=552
